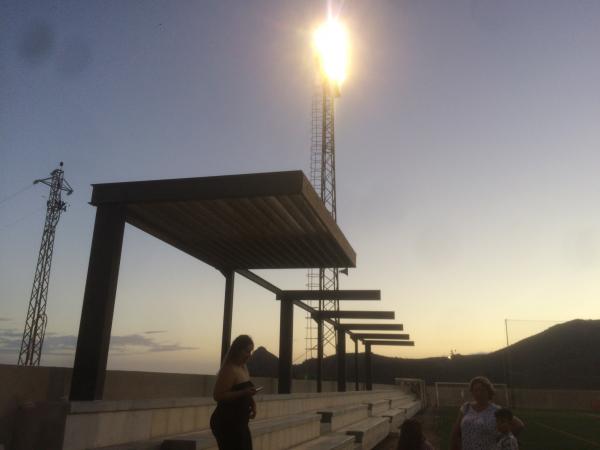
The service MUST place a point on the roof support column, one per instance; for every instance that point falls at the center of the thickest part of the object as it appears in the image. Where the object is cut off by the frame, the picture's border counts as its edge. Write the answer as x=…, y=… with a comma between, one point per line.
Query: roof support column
x=369, y=381
x=341, y=360
x=319, y=355
x=286, y=337
x=89, y=370
x=227, y=312
x=356, y=387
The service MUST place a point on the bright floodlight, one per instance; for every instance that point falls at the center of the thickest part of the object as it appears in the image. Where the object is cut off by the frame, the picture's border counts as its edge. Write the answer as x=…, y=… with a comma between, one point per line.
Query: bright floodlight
x=331, y=44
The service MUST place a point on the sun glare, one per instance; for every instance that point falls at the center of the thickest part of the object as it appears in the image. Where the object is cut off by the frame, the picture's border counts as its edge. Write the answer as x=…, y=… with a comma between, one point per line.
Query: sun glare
x=331, y=45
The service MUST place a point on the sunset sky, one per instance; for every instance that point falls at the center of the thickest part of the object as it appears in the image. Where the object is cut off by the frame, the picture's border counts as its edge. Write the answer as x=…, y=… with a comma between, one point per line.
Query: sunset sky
x=468, y=161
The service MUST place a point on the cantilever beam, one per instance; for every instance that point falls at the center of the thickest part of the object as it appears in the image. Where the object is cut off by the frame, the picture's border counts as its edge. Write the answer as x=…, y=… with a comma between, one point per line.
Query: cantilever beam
x=397, y=342
x=370, y=326
x=330, y=295
x=354, y=315
x=289, y=299
x=319, y=316
x=362, y=336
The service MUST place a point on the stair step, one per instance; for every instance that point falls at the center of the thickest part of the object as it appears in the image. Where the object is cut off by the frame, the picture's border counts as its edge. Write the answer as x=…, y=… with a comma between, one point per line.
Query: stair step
x=333, y=441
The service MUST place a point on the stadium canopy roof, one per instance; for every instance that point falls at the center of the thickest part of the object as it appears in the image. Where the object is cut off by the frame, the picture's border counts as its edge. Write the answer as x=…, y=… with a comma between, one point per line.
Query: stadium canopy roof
x=251, y=221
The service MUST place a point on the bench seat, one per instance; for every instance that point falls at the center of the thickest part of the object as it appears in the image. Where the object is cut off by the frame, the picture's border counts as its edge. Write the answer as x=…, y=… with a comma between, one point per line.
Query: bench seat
x=398, y=401
x=369, y=432
x=396, y=418
x=334, y=419
x=378, y=407
x=412, y=408
x=272, y=434
x=332, y=441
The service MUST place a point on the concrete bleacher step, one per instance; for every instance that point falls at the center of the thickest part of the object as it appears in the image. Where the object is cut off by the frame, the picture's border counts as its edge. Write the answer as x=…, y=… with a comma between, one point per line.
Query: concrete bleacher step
x=203, y=440
x=412, y=408
x=378, y=407
x=396, y=418
x=145, y=445
x=398, y=400
x=333, y=441
x=332, y=419
x=172, y=419
x=368, y=432
x=273, y=434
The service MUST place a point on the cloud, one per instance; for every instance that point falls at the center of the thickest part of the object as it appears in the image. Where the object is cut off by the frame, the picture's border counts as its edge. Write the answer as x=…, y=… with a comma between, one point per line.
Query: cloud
x=135, y=342
x=55, y=344
x=59, y=344
x=170, y=348
x=10, y=341
x=5, y=319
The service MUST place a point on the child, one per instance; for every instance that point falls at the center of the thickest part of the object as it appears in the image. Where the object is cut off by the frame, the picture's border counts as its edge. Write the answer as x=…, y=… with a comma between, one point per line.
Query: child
x=411, y=436
x=507, y=440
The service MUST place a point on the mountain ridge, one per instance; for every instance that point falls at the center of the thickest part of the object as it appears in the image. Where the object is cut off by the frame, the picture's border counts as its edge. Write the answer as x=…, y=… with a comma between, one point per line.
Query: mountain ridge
x=565, y=356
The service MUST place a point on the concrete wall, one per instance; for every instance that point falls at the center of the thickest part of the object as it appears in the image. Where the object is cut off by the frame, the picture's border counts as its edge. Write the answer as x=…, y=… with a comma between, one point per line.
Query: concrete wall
x=526, y=398
x=19, y=385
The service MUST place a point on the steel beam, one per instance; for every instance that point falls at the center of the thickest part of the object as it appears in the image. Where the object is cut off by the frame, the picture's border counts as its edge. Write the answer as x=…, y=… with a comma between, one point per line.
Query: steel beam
x=340, y=352
x=356, y=387
x=398, y=336
x=371, y=326
x=368, y=372
x=227, y=313
x=89, y=370
x=286, y=338
x=398, y=343
x=319, y=355
x=260, y=281
x=355, y=314
x=330, y=295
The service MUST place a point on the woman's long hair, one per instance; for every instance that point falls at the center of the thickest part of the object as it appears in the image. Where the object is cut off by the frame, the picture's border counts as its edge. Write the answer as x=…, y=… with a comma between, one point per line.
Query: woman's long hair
x=237, y=346
x=411, y=435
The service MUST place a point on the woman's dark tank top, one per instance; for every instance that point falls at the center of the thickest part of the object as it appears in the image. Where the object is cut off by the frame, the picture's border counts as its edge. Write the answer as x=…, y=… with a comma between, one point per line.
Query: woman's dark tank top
x=235, y=412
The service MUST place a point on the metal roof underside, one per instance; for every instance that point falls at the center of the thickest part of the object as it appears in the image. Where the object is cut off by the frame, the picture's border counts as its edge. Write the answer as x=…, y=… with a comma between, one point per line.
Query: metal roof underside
x=252, y=221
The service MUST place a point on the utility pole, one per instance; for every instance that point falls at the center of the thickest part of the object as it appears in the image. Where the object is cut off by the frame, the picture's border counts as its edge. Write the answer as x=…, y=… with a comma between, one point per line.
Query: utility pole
x=35, y=323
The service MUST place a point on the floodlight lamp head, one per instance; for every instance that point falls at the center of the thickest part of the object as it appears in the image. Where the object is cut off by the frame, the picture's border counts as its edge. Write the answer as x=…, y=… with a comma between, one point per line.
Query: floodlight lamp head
x=331, y=47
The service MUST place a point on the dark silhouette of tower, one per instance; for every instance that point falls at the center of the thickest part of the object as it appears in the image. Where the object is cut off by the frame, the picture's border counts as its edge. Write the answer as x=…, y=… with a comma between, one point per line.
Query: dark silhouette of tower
x=35, y=323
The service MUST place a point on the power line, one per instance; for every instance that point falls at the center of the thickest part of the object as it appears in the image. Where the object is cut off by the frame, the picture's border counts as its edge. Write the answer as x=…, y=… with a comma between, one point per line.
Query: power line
x=14, y=194
x=21, y=219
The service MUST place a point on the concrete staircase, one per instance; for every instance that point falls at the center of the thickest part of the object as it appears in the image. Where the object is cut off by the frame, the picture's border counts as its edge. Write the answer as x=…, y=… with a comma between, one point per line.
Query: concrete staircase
x=352, y=421
x=325, y=421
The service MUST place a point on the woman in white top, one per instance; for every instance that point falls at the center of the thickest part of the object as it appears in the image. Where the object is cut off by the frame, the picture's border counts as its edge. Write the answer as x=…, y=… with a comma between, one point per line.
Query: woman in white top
x=475, y=427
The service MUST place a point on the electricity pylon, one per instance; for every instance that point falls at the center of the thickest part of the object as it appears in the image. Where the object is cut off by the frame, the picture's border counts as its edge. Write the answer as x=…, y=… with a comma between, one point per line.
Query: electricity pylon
x=35, y=323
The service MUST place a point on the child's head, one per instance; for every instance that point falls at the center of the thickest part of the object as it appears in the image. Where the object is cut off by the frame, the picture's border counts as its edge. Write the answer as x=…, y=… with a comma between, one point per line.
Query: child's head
x=504, y=418
x=411, y=435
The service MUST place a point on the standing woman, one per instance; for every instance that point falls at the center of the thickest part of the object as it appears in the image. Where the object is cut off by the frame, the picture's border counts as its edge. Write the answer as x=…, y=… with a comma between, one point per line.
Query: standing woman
x=234, y=393
x=475, y=427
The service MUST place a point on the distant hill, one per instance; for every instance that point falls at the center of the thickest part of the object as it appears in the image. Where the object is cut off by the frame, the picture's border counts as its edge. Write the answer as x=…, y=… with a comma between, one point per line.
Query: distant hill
x=262, y=363
x=565, y=356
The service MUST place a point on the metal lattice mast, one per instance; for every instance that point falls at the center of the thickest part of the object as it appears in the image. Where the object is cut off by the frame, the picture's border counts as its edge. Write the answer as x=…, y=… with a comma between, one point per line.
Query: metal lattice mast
x=35, y=323
x=322, y=171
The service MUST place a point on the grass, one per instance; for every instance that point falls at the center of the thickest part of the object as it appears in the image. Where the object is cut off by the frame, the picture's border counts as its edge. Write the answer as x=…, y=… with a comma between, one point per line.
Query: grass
x=544, y=430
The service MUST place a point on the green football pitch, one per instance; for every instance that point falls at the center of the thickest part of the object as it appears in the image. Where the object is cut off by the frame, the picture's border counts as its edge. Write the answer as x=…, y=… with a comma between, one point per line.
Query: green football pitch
x=544, y=430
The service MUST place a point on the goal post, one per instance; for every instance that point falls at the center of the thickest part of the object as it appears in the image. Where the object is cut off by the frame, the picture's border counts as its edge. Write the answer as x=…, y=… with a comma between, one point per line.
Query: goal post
x=449, y=393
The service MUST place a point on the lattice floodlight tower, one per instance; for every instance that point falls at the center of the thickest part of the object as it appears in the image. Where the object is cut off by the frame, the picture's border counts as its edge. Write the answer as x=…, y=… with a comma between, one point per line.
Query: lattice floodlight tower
x=35, y=323
x=331, y=49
